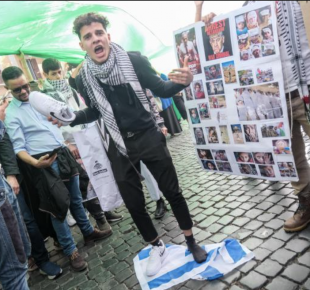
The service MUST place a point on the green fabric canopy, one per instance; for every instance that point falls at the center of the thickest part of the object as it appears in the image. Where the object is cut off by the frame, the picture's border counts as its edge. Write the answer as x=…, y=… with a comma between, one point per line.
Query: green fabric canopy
x=44, y=29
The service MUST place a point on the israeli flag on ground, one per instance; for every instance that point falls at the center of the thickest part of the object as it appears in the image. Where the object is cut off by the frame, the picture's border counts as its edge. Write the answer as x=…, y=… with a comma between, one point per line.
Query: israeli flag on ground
x=180, y=266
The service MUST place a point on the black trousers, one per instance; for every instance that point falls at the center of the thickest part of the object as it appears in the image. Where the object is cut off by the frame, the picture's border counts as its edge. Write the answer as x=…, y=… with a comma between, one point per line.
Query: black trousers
x=179, y=103
x=150, y=147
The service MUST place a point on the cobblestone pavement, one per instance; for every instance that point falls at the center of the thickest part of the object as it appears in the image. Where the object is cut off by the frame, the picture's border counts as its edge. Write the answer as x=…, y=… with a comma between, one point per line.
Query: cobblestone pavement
x=222, y=206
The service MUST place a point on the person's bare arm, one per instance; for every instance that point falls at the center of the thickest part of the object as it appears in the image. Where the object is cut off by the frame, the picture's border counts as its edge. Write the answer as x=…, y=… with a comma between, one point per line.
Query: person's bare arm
x=198, y=10
x=73, y=149
x=43, y=162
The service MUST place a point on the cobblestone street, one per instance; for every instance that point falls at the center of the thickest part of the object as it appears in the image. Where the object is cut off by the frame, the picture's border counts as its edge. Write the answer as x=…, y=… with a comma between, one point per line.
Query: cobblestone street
x=222, y=206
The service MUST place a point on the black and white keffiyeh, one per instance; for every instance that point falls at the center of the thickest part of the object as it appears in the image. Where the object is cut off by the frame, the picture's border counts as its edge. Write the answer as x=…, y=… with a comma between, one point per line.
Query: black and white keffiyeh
x=116, y=70
x=59, y=89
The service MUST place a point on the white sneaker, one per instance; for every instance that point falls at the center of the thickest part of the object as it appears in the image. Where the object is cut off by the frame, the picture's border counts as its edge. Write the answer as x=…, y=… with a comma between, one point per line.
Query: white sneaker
x=47, y=106
x=157, y=256
x=70, y=220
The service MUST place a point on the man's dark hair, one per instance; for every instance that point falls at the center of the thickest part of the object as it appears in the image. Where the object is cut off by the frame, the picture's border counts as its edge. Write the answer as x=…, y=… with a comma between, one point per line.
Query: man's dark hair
x=11, y=73
x=88, y=19
x=50, y=64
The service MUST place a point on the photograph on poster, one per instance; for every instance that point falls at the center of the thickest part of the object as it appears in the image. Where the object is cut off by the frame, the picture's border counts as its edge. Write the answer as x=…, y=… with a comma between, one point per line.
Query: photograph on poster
x=243, y=44
x=260, y=102
x=200, y=138
x=245, y=77
x=212, y=135
x=213, y=72
x=204, y=111
x=220, y=155
x=237, y=133
x=273, y=130
x=205, y=154
x=188, y=94
x=264, y=75
x=221, y=116
x=186, y=45
x=209, y=165
x=244, y=157
x=224, y=166
x=224, y=135
x=254, y=36
x=216, y=40
x=267, y=34
x=245, y=55
x=253, y=29
x=268, y=49
x=194, y=116
x=266, y=170
x=229, y=72
x=248, y=169
x=217, y=102
x=256, y=50
x=215, y=88
x=250, y=133
x=263, y=158
x=287, y=169
x=281, y=146
x=198, y=90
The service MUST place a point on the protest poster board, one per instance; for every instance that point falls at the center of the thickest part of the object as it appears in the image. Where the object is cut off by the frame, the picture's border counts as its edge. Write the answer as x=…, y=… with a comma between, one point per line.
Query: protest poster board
x=236, y=103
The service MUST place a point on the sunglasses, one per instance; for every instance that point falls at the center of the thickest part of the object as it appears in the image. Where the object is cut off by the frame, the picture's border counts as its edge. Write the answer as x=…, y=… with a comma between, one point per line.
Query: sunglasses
x=19, y=89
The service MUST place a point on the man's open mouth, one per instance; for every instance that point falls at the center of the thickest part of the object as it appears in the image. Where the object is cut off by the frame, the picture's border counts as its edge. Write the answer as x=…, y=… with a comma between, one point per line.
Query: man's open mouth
x=98, y=49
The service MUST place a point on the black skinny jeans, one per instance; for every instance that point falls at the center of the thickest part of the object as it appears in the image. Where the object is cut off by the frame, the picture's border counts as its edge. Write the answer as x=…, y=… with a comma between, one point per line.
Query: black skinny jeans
x=150, y=147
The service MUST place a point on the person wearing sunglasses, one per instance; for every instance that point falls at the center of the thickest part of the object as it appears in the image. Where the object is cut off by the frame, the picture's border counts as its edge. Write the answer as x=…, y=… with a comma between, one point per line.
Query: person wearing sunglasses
x=34, y=138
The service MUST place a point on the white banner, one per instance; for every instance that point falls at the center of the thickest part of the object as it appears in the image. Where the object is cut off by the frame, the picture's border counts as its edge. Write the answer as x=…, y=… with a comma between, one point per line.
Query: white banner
x=98, y=168
x=236, y=104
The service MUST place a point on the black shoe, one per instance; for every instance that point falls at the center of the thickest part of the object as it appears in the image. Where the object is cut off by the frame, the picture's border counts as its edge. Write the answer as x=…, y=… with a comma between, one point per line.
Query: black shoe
x=112, y=216
x=199, y=254
x=160, y=209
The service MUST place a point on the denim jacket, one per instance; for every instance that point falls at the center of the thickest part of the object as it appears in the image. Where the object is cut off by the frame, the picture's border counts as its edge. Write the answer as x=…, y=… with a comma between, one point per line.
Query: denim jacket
x=5, y=189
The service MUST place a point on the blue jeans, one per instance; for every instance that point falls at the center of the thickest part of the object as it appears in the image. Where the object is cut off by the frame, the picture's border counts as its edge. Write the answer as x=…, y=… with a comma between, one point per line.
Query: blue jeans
x=76, y=207
x=14, y=241
x=38, y=250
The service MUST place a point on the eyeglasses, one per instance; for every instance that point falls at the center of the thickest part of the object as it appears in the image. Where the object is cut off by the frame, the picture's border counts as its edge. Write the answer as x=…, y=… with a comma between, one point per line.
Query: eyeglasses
x=19, y=89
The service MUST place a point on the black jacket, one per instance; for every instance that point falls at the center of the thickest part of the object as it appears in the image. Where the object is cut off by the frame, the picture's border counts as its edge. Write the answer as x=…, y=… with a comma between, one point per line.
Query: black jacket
x=13, y=166
x=148, y=80
x=8, y=158
x=53, y=193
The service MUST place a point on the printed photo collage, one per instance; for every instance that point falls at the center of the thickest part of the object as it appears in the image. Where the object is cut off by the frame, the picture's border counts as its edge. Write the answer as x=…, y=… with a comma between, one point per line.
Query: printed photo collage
x=252, y=92
x=255, y=34
x=260, y=164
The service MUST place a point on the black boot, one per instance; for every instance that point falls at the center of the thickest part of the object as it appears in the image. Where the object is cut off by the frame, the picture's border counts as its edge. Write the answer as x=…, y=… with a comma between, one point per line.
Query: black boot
x=160, y=209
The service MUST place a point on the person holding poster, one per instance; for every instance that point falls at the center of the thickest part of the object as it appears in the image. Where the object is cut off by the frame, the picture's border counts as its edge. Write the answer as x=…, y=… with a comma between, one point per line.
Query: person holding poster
x=295, y=57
